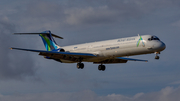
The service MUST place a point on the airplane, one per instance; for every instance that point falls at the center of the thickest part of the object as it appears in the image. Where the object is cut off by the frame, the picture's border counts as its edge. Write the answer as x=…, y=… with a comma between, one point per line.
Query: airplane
x=102, y=52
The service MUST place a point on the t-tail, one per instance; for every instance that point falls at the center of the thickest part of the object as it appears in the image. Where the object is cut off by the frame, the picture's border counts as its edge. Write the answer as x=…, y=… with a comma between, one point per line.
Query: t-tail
x=48, y=40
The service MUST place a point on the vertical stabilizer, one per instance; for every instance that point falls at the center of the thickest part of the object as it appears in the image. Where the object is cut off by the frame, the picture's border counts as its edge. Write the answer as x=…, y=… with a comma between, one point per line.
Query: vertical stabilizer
x=48, y=41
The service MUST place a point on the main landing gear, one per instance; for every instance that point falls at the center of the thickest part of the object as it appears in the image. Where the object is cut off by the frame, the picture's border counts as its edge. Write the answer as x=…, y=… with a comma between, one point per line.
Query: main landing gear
x=157, y=57
x=80, y=65
x=101, y=67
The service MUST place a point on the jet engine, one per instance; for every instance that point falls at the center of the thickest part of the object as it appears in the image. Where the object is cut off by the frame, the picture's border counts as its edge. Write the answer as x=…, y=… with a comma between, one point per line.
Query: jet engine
x=61, y=50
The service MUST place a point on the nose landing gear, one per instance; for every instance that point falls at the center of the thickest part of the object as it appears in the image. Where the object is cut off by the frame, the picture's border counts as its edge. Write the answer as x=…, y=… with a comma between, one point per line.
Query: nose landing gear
x=157, y=57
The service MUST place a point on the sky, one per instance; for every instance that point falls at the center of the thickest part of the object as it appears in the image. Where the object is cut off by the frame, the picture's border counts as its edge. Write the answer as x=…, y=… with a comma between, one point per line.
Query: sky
x=26, y=76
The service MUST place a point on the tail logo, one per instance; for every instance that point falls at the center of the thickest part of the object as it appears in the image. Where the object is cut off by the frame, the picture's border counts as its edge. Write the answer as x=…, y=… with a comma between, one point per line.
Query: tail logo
x=49, y=42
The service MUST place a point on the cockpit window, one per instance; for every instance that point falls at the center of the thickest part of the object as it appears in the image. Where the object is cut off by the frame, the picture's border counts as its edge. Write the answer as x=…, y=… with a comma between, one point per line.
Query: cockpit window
x=153, y=38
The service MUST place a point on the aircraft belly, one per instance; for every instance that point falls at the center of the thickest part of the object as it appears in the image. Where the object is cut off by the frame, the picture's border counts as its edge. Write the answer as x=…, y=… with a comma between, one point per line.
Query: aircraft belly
x=67, y=61
x=136, y=51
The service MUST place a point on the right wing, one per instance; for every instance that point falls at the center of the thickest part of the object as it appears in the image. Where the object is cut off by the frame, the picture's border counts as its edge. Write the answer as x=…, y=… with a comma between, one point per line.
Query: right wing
x=118, y=60
x=131, y=59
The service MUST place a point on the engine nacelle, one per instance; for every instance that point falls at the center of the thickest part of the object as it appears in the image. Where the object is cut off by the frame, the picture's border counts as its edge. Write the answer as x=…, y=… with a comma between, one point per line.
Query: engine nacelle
x=61, y=50
x=46, y=57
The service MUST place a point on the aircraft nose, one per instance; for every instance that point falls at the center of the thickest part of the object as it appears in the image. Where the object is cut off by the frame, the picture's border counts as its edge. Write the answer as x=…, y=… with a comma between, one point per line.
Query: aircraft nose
x=160, y=46
x=163, y=46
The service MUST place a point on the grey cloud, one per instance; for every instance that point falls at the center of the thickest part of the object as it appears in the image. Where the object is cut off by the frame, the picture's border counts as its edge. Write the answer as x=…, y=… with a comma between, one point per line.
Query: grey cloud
x=13, y=66
x=44, y=9
x=49, y=15
x=176, y=24
x=166, y=94
x=37, y=16
x=175, y=83
x=113, y=11
x=90, y=15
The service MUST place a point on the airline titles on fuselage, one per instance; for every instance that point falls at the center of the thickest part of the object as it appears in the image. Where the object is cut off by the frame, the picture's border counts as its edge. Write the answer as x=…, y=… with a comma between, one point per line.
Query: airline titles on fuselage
x=127, y=39
x=109, y=48
x=112, y=48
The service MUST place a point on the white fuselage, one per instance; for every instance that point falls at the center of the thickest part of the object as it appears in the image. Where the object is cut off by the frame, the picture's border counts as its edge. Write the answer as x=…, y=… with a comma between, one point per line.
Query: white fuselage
x=119, y=47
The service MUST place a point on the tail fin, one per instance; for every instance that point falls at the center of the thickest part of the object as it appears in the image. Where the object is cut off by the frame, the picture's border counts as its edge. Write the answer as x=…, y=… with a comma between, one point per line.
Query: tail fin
x=48, y=40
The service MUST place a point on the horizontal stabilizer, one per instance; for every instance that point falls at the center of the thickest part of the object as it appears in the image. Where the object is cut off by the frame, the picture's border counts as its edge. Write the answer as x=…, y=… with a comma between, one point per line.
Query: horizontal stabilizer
x=130, y=59
x=56, y=36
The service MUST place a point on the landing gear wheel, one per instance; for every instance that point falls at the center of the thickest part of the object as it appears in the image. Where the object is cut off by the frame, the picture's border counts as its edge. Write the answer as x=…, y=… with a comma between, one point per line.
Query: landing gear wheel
x=80, y=65
x=157, y=57
x=101, y=67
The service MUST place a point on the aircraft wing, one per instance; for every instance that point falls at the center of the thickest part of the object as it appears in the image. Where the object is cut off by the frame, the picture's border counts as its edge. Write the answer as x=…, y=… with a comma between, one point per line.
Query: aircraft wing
x=75, y=56
x=130, y=59
x=118, y=60
x=59, y=55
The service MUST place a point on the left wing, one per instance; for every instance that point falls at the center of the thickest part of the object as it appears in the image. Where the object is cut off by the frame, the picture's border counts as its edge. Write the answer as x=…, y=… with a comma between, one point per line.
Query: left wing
x=75, y=56
x=58, y=55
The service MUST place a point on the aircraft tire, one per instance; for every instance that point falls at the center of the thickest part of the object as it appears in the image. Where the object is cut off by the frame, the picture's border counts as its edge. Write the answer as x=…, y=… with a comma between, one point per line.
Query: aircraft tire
x=157, y=57
x=101, y=67
x=80, y=65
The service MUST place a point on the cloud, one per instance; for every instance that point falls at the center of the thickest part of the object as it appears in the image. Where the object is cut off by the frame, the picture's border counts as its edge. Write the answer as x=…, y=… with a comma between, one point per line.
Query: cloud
x=90, y=15
x=176, y=24
x=114, y=11
x=175, y=83
x=45, y=15
x=13, y=66
x=166, y=94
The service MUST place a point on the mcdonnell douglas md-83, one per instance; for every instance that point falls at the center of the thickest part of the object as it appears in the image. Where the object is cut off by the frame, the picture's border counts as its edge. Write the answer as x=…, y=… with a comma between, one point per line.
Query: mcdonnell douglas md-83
x=102, y=52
